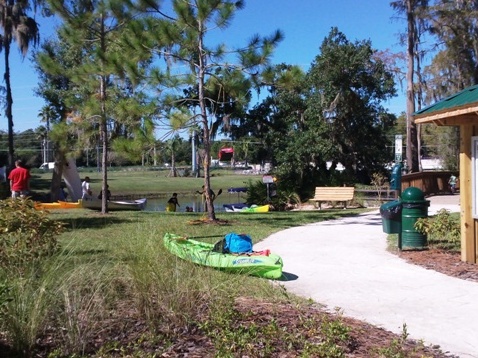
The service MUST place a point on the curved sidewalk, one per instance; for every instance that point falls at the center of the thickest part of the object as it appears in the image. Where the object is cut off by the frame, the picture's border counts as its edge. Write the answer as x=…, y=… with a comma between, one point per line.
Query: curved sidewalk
x=344, y=263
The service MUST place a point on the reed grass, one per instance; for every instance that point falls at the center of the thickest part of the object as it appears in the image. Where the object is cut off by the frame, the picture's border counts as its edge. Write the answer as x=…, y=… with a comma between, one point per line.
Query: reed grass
x=117, y=264
x=28, y=302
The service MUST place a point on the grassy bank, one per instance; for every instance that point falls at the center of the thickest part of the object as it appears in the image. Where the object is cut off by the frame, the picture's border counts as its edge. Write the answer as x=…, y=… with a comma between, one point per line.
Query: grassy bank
x=113, y=277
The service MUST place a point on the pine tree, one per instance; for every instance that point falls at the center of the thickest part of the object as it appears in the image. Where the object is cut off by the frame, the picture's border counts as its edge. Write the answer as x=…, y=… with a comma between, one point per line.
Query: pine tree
x=207, y=72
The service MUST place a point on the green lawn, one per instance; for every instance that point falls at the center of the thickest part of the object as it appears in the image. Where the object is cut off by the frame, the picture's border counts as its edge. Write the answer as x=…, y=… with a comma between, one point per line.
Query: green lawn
x=149, y=182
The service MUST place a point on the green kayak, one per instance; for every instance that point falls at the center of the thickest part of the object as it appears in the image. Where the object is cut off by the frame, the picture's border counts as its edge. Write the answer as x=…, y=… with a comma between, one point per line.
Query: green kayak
x=262, y=263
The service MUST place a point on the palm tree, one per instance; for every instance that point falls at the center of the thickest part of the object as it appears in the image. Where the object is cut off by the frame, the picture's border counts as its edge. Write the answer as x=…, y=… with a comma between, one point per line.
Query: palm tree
x=19, y=27
x=172, y=148
x=41, y=135
x=47, y=115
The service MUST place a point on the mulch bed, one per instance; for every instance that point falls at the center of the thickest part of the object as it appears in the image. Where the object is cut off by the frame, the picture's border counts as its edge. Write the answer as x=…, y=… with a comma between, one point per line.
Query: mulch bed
x=446, y=262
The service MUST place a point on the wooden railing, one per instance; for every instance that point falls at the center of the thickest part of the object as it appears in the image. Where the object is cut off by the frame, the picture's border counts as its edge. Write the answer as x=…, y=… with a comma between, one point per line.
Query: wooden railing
x=382, y=193
x=430, y=182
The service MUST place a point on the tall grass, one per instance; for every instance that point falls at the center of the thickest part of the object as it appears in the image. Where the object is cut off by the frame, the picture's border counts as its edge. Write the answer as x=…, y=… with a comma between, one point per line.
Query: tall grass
x=84, y=300
x=28, y=302
x=58, y=298
x=25, y=311
x=114, y=271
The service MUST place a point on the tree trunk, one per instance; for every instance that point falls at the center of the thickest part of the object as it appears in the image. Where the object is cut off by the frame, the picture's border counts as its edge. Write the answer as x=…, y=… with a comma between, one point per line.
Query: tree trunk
x=173, y=172
x=60, y=161
x=9, y=104
x=206, y=133
x=412, y=152
x=104, y=141
x=104, y=129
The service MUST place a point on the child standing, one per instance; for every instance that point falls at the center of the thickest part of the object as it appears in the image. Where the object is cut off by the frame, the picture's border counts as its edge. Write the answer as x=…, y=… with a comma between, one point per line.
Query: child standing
x=172, y=203
x=452, y=183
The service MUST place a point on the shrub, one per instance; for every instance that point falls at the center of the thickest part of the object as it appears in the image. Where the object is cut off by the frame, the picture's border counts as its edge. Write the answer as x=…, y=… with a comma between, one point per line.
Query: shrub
x=280, y=198
x=442, y=230
x=26, y=234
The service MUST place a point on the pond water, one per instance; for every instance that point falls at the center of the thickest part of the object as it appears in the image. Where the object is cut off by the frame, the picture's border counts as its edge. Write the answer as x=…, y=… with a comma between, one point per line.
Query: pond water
x=195, y=202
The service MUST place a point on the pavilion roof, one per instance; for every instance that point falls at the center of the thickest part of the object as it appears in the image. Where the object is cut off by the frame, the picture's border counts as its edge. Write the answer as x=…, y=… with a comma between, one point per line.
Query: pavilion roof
x=459, y=108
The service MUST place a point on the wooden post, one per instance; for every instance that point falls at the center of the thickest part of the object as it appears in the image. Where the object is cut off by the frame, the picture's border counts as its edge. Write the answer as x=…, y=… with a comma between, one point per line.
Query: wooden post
x=468, y=233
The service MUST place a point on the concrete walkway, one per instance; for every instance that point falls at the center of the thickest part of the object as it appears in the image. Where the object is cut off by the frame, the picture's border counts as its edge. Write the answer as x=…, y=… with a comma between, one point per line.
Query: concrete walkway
x=344, y=263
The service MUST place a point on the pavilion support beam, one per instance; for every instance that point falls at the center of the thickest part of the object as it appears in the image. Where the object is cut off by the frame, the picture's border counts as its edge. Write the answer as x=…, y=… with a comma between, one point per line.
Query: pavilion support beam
x=469, y=230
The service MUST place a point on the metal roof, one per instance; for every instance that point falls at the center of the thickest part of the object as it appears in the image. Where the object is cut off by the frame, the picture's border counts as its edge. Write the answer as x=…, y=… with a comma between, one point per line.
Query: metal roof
x=453, y=110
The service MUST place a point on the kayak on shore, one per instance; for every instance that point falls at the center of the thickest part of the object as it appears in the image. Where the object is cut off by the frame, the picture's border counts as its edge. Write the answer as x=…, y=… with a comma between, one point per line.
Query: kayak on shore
x=59, y=205
x=261, y=263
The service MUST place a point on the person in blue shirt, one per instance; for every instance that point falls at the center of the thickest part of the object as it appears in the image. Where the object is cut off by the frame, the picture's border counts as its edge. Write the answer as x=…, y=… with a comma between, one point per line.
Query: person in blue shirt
x=452, y=183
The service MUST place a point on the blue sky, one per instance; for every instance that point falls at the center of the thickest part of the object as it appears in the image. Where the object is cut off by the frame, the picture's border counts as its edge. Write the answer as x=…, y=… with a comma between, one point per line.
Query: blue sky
x=305, y=24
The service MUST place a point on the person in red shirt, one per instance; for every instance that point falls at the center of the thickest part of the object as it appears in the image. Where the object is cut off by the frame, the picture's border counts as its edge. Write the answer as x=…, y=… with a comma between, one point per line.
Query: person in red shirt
x=19, y=180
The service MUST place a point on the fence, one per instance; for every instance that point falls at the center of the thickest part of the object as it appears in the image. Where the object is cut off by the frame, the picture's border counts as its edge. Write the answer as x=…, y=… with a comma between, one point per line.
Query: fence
x=430, y=182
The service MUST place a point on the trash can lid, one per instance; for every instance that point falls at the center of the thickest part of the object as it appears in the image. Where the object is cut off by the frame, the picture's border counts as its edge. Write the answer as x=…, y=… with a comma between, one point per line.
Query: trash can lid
x=412, y=194
x=391, y=205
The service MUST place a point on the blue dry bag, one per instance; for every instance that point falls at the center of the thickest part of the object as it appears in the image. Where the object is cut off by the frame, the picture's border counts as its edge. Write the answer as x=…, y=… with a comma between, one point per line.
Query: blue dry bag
x=237, y=243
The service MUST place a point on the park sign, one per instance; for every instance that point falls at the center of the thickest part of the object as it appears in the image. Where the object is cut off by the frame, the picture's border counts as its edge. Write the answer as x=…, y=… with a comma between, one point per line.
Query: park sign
x=398, y=148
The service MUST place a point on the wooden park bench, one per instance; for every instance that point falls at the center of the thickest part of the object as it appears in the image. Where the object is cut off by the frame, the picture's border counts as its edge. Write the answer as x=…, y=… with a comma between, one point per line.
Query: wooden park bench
x=333, y=193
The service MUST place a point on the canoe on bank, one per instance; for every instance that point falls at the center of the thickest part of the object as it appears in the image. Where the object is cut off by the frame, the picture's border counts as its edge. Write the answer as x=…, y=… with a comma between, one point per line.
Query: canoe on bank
x=243, y=208
x=262, y=263
x=230, y=208
x=59, y=205
x=116, y=205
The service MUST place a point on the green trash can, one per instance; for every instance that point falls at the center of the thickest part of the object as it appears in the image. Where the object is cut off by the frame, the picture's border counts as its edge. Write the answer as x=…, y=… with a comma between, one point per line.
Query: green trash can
x=414, y=207
x=391, y=214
